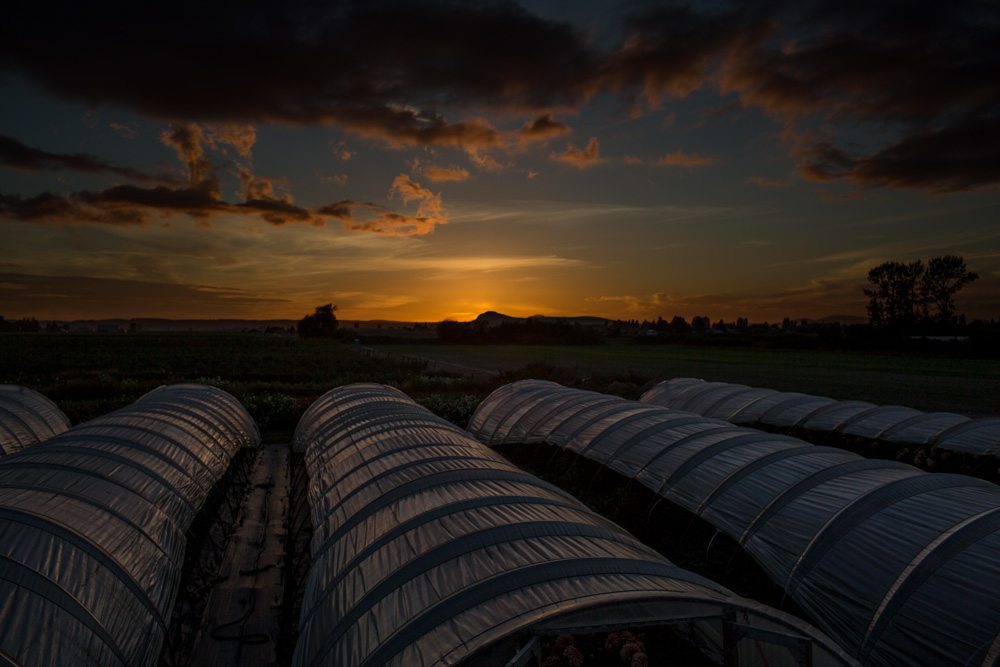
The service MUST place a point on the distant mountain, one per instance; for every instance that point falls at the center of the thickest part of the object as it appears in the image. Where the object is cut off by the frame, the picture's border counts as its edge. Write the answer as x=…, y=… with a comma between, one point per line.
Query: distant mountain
x=491, y=318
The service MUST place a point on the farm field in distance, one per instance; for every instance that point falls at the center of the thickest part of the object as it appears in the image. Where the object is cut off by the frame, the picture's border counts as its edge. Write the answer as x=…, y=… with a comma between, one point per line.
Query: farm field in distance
x=275, y=376
x=278, y=376
x=963, y=385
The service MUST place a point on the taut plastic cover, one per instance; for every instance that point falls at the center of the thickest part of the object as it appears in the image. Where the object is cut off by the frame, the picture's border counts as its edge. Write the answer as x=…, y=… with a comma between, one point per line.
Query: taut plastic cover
x=93, y=523
x=900, y=566
x=787, y=410
x=429, y=547
x=27, y=417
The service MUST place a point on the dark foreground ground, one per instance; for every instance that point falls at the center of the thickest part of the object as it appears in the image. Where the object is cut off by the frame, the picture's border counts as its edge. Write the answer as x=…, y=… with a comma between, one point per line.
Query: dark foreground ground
x=240, y=595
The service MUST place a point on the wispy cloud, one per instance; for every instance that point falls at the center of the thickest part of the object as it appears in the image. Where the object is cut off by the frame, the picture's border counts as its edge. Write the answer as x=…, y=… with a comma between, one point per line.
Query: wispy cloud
x=124, y=131
x=765, y=182
x=679, y=158
x=444, y=174
x=17, y=155
x=201, y=198
x=581, y=158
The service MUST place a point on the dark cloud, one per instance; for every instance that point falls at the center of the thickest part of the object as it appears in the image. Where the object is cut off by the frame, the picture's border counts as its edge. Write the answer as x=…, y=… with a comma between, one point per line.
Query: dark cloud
x=127, y=204
x=543, y=127
x=424, y=73
x=408, y=127
x=15, y=154
x=380, y=68
x=52, y=207
x=885, y=61
x=201, y=199
x=132, y=205
x=954, y=158
x=671, y=50
x=919, y=80
x=370, y=217
x=196, y=201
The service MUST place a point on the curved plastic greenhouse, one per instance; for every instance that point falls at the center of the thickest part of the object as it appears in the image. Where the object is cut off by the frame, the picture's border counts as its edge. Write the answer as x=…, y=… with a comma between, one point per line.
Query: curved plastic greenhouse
x=900, y=566
x=790, y=410
x=93, y=523
x=27, y=417
x=430, y=549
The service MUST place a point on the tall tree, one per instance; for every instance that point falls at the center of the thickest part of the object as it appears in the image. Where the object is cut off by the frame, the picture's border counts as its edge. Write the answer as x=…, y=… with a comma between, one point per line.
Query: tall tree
x=942, y=279
x=894, y=294
x=321, y=324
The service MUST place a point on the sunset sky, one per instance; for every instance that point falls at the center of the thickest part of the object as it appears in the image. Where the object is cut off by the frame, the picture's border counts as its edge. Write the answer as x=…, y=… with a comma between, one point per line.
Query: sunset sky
x=424, y=160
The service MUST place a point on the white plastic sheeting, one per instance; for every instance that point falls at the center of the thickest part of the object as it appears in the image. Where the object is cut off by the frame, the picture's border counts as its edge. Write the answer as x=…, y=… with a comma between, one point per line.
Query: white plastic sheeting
x=429, y=547
x=27, y=417
x=900, y=566
x=93, y=523
x=789, y=410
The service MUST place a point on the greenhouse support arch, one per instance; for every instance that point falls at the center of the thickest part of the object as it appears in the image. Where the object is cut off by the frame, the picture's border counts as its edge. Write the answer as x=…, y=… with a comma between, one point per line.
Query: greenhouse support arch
x=93, y=523
x=792, y=411
x=900, y=566
x=27, y=417
x=430, y=547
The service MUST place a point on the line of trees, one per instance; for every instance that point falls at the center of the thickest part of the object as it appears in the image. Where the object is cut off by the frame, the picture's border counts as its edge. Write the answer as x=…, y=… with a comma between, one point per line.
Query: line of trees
x=902, y=296
x=25, y=324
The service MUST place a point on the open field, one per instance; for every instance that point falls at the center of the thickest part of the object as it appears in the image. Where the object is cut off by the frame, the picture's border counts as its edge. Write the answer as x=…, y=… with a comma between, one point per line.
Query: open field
x=966, y=386
x=276, y=377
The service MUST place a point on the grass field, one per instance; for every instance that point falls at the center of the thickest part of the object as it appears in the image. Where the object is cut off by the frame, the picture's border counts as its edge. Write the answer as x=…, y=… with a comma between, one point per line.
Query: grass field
x=967, y=386
x=277, y=377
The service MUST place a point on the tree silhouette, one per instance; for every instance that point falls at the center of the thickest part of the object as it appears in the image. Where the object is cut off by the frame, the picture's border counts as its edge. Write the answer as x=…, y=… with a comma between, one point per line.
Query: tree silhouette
x=893, y=297
x=942, y=279
x=321, y=324
x=903, y=295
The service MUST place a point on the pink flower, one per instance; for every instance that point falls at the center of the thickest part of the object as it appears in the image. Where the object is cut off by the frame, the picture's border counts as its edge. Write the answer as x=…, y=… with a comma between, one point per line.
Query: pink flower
x=573, y=656
x=630, y=649
x=562, y=641
x=640, y=660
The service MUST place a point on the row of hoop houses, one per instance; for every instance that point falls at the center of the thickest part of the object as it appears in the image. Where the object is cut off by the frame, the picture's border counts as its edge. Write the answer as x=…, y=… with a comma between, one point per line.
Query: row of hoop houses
x=823, y=418
x=431, y=548
x=93, y=521
x=27, y=417
x=899, y=566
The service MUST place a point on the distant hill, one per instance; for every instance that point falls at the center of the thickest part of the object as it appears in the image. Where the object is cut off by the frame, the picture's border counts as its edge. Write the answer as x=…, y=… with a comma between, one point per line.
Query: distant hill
x=491, y=318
